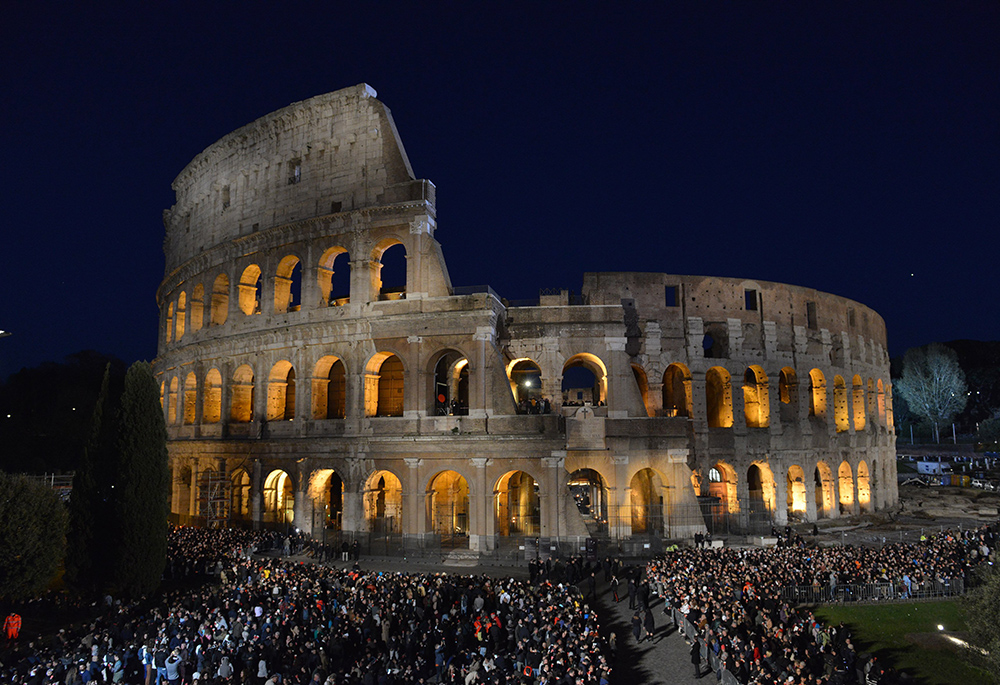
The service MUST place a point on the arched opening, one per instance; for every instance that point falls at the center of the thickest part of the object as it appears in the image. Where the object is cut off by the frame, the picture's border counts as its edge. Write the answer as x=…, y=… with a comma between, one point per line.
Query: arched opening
x=172, y=402
x=279, y=498
x=643, y=383
x=864, y=488
x=448, y=508
x=384, y=503
x=516, y=505
x=220, y=300
x=197, y=307
x=584, y=381
x=715, y=342
x=451, y=385
x=823, y=486
x=762, y=491
x=858, y=403
x=722, y=486
x=239, y=496
x=845, y=478
x=329, y=389
x=288, y=285
x=756, y=400
x=190, y=399
x=840, y=415
x=817, y=394
x=241, y=406
x=334, y=274
x=881, y=403
x=211, y=402
x=526, y=385
x=646, y=499
x=591, y=496
x=788, y=394
x=181, y=315
x=163, y=389
x=872, y=404
x=390, y=273
x=249, y=289
x=169, y=328
x=326, y=490
x=281, y=392
x=796, y=489
x=719, y=398
x=384, y=385
x=677, y=391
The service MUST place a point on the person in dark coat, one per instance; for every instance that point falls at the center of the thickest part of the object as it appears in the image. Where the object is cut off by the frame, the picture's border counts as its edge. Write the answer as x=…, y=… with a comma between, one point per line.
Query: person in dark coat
x=614, y=587
x=592, y=585
x=636, y=626
x=696, y=658
x=649, y=623
x=631, y=593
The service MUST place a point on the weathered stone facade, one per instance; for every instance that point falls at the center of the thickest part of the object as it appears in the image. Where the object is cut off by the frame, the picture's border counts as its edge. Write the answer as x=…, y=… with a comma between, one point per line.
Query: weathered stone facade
x=296, y=393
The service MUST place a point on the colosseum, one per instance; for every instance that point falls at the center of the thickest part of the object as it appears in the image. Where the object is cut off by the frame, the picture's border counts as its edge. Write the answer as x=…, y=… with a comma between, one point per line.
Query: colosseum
x=319, y=370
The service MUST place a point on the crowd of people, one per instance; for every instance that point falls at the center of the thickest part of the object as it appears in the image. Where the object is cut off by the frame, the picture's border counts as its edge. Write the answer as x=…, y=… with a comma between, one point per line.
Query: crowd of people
x=271, y=621
x=731, y=598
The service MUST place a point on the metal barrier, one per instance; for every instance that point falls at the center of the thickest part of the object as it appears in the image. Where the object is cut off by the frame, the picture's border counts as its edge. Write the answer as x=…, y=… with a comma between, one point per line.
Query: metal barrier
x=872, y=592
x=707, y=655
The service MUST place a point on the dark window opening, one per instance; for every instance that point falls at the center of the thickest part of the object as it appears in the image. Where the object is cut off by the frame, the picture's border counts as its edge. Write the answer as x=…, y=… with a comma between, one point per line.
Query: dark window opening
x=225, y=198
x=750, y=300
x=811, y=315
x=850, y=317
x=295, y=171
x=670, y=295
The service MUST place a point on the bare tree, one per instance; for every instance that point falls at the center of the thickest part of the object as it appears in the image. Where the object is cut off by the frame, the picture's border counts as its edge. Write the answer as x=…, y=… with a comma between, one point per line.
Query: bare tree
x=933, y=384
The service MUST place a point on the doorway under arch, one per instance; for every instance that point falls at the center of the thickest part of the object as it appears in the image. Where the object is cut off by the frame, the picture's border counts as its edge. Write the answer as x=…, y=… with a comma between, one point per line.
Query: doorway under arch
x=646, y=498
x=796, y=489
x=279, y=498
x=516, y=505
x=824, y=488
x=239, y=496
x=384, y=503
x=590, y=493
x=451, y=384
x=327, y=493
x=448, y=508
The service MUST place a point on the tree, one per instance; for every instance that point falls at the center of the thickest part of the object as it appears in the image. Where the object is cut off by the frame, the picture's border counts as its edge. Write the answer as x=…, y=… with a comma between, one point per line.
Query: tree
x=933, y=384
x=989, y=431
x=142, y=487
x=32, y=536
x=982, y=606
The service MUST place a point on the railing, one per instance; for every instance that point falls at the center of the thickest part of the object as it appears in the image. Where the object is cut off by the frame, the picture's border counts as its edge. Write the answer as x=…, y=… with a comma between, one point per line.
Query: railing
x=873, y=592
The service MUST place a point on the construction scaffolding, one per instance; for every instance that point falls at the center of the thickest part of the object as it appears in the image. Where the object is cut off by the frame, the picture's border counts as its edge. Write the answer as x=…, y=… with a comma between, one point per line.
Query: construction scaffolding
x=213, y=499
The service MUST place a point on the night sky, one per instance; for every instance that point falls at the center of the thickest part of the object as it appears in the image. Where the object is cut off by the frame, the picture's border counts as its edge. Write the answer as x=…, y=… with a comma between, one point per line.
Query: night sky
x=849, y=147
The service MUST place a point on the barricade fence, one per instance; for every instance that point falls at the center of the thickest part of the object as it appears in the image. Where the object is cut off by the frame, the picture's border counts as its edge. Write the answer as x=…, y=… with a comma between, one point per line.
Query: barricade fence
x=873, y=592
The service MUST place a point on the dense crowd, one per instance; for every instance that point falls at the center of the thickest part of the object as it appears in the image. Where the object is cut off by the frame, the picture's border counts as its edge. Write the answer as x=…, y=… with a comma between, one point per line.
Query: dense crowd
x=732, y=598
x=273, y=622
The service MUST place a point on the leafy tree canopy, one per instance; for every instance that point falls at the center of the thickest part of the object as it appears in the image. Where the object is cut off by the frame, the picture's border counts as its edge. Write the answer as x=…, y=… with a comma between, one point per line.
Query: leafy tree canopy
x=32, y=536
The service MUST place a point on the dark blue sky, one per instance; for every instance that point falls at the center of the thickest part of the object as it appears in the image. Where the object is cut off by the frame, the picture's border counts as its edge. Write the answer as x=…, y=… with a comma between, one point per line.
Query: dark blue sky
x=840, y=146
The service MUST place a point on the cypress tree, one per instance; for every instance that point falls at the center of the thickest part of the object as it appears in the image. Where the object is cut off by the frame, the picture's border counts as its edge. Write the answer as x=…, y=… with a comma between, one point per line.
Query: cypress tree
x=142, y=486
x=32, y=536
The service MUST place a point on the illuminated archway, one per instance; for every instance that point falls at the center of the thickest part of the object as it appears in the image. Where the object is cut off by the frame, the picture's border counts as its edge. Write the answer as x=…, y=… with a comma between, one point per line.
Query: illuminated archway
x=281, y=392
x=643, y=382
x=881, y=403
x=279, y=498
x=584, y=380
x=384, y=385
x=796, y=492
x=241, y=403
x=197, y=307
x=761, y=488
x=334, y=275
x=451, y=384
x=389, y=274
x=190, y=399
x=525, y=378
x=864, y=488
x=249, y=290
x=840, y=415
x=719, y=398
x=448, y=505
x=288, y=285
x=590, y=493
x=384, y=503
x=646, y=500
x=845, y=477
x=756, y=399
x=172, y=402
x=170, y=322
x=239, y=497
x=858, y=403
x=211, y=403
x=817, y=394
x=677, y=391
x=326, y=490
x=516, y=505
x=788, y=394
x=219, y=310
x=722, y=484
x=823, y=489
x=181, y=315
x=329, y=389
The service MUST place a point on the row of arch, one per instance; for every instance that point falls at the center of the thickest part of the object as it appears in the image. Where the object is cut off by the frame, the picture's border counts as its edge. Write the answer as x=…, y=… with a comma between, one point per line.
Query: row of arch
x=187, y=313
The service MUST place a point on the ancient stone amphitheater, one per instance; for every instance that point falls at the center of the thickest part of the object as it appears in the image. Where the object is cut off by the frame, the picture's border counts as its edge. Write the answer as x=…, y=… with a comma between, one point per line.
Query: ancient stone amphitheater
x=319, y=370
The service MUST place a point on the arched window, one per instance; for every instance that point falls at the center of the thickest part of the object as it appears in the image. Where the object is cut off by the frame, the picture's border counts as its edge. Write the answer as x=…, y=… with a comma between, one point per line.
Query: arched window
x=384, y=503
x=516, y=504
x=288, y=285
x=250, y=285
x=584, y=380
x=170, y=322
x=190, y=399
x=211, y=408
x=677, y=391
x=220, y=300
x=845, y=476
x=448, y=508
x=858, y=403
x=719, y=398
x=334, y=276
x=389, y=277
x=756, y=398
x=451, y=385
x=281, y=392
x=197, y=307
x=241, y=408
x=172, y=402
x=239, y=504
x=384, y=385
x=840, y=415
x=788, y=394
x=329, y=389
x=881, y=403
x=817, y=394
x=279, y=498
x=181, y=314
x=525, y=378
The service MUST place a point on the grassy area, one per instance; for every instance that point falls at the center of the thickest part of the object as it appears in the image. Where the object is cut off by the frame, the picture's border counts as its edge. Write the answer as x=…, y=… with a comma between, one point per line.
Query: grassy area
x=907, y=637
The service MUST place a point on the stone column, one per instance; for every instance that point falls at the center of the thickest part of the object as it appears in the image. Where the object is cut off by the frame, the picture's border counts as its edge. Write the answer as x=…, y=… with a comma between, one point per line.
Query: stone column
x=555, y=478
x=302, y=516
x=417, y=383
x=809, y=481
x=478, y=370
x=193, y=488
x=257, y=495
x=414, y=500
x=621, y=498
x=781, y=498
x=480, y=530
